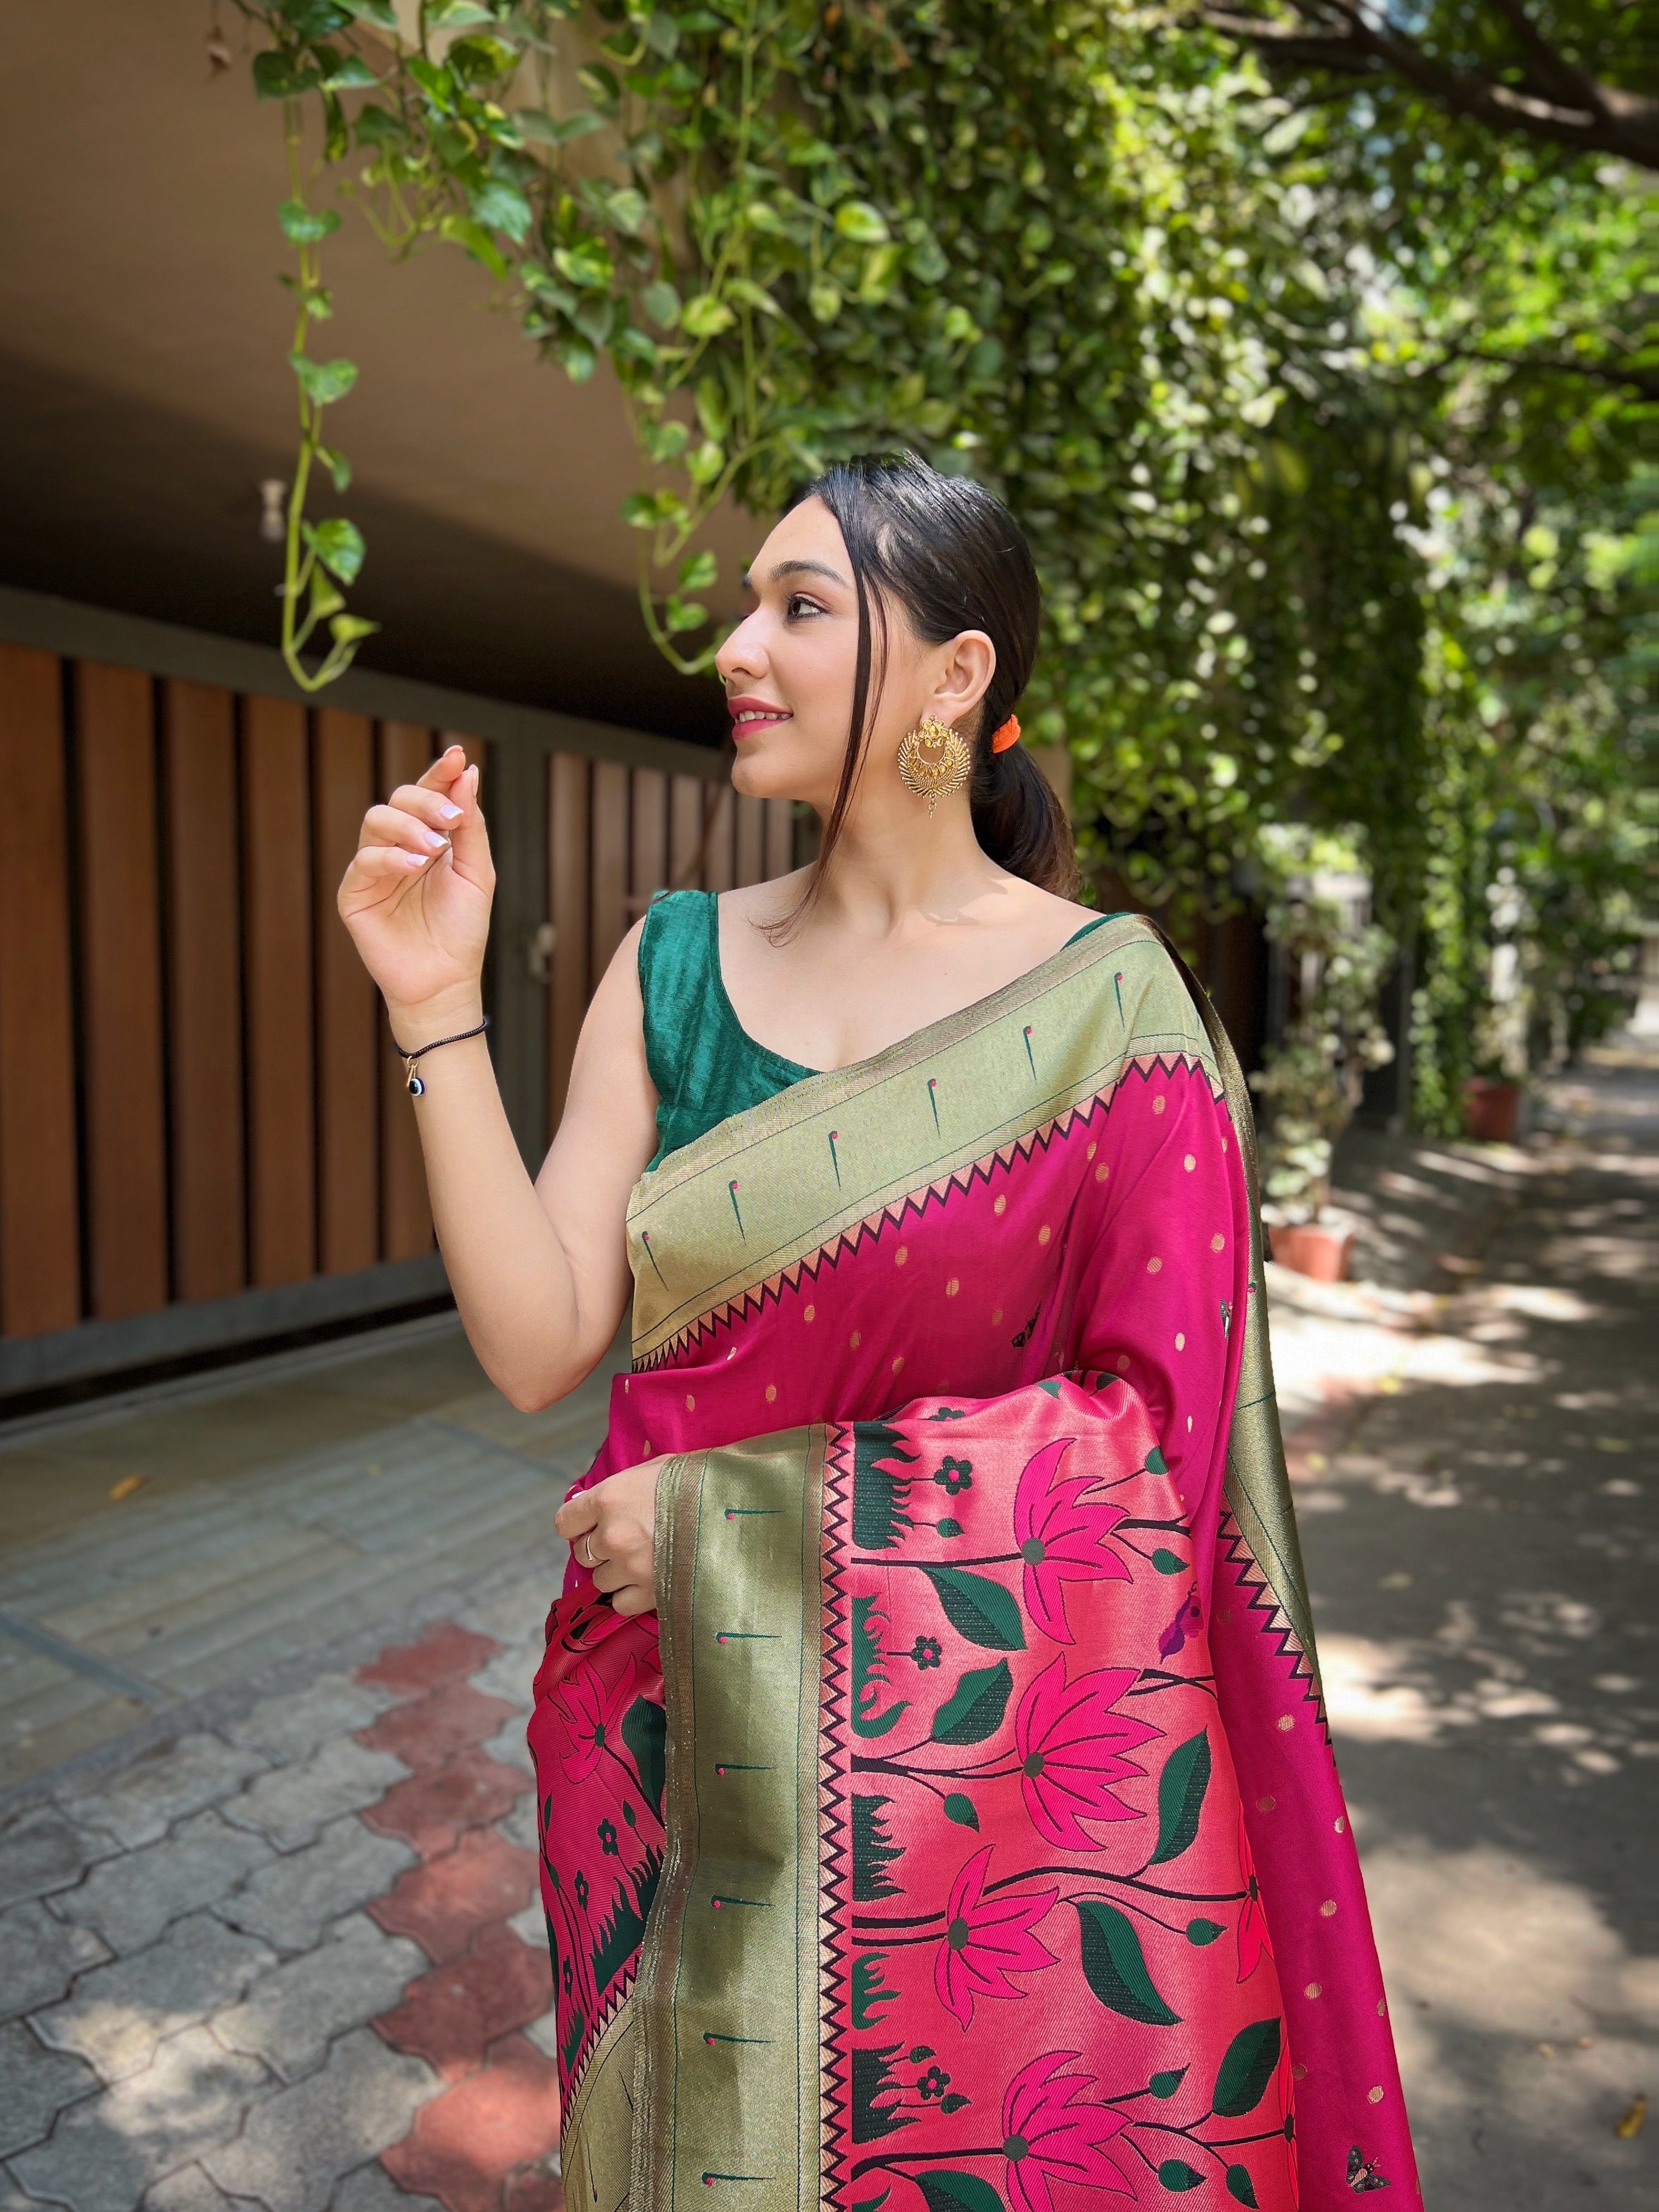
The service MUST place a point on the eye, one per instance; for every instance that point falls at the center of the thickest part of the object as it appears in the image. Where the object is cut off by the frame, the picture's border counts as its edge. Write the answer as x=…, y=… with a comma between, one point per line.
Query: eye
x=799, y=605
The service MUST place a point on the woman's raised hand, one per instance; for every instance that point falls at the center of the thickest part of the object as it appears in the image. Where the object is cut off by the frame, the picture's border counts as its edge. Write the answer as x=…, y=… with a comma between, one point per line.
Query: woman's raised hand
x=417, y=899
x=612, y=1530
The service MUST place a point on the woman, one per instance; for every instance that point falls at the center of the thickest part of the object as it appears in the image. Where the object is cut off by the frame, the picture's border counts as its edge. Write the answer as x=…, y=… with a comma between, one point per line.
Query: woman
x=934, y=1669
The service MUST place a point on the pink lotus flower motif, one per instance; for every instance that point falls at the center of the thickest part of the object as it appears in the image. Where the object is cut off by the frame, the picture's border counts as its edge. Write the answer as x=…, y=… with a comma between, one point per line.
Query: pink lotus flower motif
x=590, y=1712
x=1071, y=1745
x=1253, y=1936
x=1050, y=2136
x=987, y=1939
x=1060, y=1539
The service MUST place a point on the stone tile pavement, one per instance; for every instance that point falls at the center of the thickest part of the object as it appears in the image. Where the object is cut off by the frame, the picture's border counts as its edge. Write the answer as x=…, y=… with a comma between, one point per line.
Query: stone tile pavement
x=295, y=1960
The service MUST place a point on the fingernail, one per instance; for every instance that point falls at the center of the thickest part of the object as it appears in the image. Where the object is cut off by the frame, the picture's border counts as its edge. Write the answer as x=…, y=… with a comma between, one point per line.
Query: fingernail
x=433, y=840
x=450, y=813
x=416, y=859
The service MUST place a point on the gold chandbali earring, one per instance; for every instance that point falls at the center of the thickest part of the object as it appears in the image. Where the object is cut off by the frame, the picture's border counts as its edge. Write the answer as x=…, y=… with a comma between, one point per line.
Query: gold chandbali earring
x=934, y=762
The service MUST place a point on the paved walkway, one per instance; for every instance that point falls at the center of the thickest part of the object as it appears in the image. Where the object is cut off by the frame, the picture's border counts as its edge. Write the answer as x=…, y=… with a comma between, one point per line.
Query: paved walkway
x=267, y=1928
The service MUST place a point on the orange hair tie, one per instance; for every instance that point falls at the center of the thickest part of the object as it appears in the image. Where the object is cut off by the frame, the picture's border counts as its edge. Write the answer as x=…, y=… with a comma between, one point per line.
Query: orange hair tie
x=1007, y=735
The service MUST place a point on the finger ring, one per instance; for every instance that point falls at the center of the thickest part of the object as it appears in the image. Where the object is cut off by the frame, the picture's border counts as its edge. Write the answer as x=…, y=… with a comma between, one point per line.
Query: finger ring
x=590, y=1562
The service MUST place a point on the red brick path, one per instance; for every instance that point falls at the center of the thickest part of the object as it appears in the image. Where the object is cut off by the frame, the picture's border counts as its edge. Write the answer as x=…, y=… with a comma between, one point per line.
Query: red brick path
x=488, y=2141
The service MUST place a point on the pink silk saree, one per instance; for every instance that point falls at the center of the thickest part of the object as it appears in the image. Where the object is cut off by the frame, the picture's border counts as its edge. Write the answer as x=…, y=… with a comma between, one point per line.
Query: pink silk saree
x=962, y=1834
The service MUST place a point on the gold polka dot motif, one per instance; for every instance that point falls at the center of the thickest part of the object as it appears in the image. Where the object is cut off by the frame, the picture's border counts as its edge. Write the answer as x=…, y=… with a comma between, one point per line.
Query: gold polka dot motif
x=1160, y=1103
x=809, y=1314
x=1218, y=1242
x=1327, y=1908
x=771, y=1394
x=999, y=1204
x=1154, y=1266
x=1044, y=1234
x=952, y=1286
x=901, y=1255
x=1102, y=1172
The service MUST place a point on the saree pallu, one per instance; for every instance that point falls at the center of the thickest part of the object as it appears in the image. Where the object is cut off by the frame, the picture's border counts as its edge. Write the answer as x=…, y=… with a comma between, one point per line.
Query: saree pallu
x=962, y=1833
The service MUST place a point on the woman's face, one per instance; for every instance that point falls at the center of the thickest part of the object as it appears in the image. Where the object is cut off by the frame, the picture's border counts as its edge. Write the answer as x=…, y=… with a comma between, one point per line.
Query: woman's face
x=790, y=665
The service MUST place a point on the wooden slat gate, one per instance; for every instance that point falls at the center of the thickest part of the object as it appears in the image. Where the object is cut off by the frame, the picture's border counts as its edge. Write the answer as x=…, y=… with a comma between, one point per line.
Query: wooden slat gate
x=204, y=1138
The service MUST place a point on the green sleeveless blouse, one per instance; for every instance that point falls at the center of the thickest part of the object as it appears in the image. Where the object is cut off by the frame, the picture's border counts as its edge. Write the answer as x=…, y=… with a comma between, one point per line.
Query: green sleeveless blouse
x=704, y=1063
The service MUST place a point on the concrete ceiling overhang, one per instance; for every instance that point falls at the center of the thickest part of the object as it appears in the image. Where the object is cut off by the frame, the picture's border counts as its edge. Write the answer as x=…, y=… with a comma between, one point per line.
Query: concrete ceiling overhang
x=144, y=390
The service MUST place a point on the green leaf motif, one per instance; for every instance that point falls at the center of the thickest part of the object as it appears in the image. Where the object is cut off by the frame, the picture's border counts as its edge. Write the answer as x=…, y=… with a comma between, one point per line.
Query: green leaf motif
x=1245, y=2072
x=1203, y=1932
x=975, y=1707
x=304, y=225
x=1156, y=1462
x=1176, y=2174
x=1180, y=1791
x=1240, y=2185
x=645, y=1731
x=1167, y=1562
x=338, y=544
x=870, y=1994
x=874, y=1851
x=1114, y=1966
x=1165, y=2084
x=869, y=1674
x=957, y=2192
x=978, y=1608
x=959, y=1808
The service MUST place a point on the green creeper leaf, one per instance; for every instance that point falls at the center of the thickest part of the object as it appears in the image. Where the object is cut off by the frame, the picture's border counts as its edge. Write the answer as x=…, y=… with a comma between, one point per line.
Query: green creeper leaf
x=662, y=34
x=974, y=1708
x=555, y=131
x=706, y=464
x=1181, y=1789
x=372, y=11
x=698, y=570
x=304, y=225
x=1240, y=2185
x=961, y=1810
x=1176, y=2174
x=504, y=207
x=1114, y=1966
x=662, y=303
x=276, y=77
x=706, y=317
x=680, y=615
x=825, y=301
x=337, y=465
x=600, y=84
x=351, y=630
x=1165, y=2084
x=323, y=382
x=324, y=598
x=740, y=288
x=577, y=358
x=587, y=265
x=861, y=222
x=626, y=209
x=354, y=75
x=461, y=230
x=338, y=544
x=456, y=14
x=1203, y=1932
x=378, y=126
x=1168, y=1563
x=978, y=1608
x=957, y=2192
x=1245, y=2072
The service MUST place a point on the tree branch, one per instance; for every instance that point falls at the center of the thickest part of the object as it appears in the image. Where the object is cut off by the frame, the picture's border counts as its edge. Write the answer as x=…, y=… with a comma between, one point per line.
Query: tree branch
x=1565, y=106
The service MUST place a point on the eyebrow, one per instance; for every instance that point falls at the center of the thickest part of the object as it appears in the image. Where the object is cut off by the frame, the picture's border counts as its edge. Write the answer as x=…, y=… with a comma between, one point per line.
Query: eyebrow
x=796, y=568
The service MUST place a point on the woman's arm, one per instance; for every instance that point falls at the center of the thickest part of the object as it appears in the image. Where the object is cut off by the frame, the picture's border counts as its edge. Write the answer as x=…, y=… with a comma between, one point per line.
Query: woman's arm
x=539, y=1270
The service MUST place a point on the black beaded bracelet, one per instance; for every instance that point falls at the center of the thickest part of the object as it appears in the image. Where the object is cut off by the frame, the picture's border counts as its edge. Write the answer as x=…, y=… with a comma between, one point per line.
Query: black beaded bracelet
x=413, y=1086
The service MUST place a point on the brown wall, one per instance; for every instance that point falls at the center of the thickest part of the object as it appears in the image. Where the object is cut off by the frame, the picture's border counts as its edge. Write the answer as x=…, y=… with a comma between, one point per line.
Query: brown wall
x=197, y=1094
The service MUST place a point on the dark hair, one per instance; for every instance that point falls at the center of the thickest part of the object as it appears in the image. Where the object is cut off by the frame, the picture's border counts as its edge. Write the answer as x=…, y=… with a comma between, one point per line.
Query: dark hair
x=948, y=553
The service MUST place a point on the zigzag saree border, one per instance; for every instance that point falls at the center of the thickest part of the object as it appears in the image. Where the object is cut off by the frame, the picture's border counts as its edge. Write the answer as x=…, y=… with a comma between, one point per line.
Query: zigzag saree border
x=1249, y=1581
x=619, y=1996
x=835, y=1947
x=751, y=1302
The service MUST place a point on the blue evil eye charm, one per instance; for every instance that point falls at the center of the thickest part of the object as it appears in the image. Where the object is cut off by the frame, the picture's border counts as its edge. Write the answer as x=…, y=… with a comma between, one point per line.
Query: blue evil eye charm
x=417, y=1088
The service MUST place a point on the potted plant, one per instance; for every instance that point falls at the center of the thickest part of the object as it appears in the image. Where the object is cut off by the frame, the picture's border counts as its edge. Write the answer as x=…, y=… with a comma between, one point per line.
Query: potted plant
x=1312, y=1078
x=1492, y=1108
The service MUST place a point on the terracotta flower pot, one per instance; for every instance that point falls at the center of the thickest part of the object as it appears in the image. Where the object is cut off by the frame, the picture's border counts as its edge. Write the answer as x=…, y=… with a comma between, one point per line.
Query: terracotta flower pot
x=1318, y=1249
x=1492, y=1110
